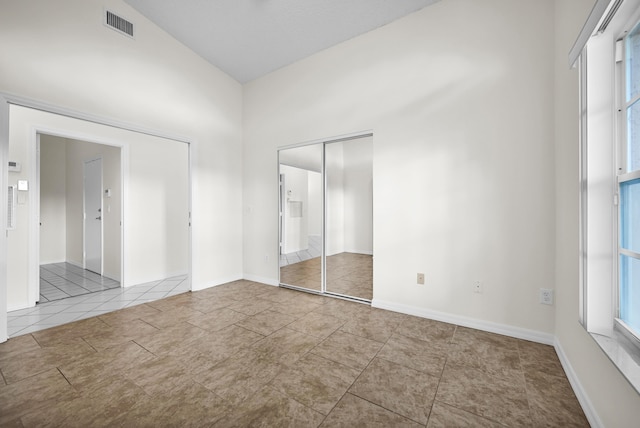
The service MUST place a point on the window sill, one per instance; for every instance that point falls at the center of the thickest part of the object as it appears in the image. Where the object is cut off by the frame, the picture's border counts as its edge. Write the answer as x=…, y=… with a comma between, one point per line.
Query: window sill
x=623, y=354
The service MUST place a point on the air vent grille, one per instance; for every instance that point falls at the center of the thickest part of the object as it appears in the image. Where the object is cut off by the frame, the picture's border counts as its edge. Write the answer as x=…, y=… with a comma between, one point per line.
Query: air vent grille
x=118, y=23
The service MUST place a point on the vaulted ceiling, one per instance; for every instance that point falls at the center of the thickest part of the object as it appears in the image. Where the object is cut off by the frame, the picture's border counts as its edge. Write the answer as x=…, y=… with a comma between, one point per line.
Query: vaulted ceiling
x=250, y=38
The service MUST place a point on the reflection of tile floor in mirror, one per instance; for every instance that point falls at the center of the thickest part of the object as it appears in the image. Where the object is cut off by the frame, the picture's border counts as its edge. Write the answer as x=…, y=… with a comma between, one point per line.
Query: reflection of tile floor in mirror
x=245, y=354
x=305, y=274
x=347, y=273
x=350, y=274
x=314, y=250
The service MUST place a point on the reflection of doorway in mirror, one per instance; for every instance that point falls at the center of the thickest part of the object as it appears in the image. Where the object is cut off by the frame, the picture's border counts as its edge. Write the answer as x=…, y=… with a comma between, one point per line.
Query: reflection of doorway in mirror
x=301, y=217
x=326, y=217
x=302, y=208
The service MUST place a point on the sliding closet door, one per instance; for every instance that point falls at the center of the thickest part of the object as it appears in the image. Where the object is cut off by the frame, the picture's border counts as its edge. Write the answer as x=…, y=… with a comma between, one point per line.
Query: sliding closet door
x=300, y=171
x=349, y=218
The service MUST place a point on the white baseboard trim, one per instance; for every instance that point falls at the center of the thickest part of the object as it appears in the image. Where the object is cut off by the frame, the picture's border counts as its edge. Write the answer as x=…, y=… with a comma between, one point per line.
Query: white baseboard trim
x=581, y=395
x=51, y=262
x=356, y=251
x=219, y=281
x=506, y=330
x=261, y=279
x=153, y=279
x=19, y=307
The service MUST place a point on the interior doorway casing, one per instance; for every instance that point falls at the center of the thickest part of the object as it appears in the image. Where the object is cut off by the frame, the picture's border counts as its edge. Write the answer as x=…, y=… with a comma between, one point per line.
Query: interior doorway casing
x=32, y=255
x=4, y=179
x=34, y=200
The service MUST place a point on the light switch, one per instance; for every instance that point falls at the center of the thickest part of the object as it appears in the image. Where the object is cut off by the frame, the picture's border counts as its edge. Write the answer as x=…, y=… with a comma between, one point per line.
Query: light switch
x=23, y=185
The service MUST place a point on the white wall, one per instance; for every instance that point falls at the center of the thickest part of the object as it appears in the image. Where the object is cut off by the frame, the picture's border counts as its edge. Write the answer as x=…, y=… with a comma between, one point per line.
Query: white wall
x=315, y=203
x=152, y=82
x=614, y=401
x=296, y=184
x=358, y=195
x=462, y=154
x=53, y=200
x=158, y=211
x=334, y=198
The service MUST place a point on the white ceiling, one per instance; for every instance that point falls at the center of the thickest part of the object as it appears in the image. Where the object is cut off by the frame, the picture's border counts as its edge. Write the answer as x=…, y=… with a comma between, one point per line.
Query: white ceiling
x=250, y=38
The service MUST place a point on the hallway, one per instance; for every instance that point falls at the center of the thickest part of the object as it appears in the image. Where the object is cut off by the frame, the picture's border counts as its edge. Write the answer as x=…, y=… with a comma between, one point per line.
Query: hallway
x=64, y=280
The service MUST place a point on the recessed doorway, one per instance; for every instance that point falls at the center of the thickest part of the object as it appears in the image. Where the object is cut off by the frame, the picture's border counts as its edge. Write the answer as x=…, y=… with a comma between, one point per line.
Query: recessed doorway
x=80, y=213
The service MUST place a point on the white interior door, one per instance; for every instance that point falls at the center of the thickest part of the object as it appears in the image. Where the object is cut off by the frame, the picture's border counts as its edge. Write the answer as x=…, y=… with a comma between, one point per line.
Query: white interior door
x=93, y=215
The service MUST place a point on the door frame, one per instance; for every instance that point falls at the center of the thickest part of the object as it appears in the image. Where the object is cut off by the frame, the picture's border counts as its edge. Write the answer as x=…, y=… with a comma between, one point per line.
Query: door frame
x=6, y=100
x=33, y=285
x=84, y=214
x=34, y=201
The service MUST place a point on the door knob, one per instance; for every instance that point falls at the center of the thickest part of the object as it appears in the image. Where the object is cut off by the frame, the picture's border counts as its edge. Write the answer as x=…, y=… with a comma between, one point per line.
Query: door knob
x=99, y=218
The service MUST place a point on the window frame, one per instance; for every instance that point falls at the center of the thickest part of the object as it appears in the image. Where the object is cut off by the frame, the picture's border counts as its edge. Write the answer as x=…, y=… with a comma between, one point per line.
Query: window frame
x=599, y=159
x=623, y=175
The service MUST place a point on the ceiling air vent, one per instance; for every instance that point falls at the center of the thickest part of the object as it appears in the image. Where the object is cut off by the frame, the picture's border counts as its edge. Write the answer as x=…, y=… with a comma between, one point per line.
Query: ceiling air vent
x=118, y=23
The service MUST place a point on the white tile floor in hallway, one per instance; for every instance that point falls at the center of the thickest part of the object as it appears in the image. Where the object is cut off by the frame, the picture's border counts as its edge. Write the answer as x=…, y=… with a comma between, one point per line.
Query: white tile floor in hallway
x=50, y=314
x=64, y=280
x=314, y=250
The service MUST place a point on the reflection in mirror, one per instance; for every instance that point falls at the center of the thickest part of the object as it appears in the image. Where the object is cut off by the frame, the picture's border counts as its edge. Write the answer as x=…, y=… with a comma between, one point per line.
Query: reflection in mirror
x=301, y=217
x=349, y=217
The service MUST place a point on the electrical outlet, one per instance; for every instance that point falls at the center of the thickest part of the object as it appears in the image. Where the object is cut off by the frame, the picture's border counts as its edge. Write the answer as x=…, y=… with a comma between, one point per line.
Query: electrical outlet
x=420, y=279
x=546, y=296
x=477, y=287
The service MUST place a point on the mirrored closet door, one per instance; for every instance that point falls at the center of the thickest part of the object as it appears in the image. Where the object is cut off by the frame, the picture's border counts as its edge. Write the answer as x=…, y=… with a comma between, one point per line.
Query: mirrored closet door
x=326, y=217
x=300, y=170
x=349, y=218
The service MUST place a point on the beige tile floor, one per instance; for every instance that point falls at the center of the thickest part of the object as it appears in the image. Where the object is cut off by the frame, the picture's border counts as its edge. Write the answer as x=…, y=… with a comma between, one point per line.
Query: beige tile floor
x=246, y=354
x=348, y=274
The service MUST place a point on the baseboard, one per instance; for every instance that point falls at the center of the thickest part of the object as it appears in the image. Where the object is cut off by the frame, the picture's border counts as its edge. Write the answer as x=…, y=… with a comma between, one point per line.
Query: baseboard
x=19, y=307
x=220, y=281
x=581, y=395
x=154, y=279
x=261, y=279
x=176, y=273
x=51, y=262
x=506, y=330
x=355, y=251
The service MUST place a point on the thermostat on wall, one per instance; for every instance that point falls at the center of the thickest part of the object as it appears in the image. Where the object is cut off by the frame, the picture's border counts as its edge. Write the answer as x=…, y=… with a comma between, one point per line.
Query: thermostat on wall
x=14, y=166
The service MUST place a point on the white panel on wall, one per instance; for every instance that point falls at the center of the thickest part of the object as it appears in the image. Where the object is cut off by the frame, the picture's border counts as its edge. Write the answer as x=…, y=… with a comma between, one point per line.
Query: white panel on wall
x=11, y=207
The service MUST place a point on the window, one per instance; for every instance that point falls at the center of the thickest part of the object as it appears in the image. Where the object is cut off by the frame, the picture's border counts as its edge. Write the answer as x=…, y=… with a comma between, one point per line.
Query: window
x=629, y=186
x=608, y=54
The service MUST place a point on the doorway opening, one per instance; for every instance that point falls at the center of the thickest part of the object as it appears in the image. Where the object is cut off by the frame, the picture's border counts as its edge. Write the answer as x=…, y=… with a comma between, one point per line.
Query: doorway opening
x=80, y=217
